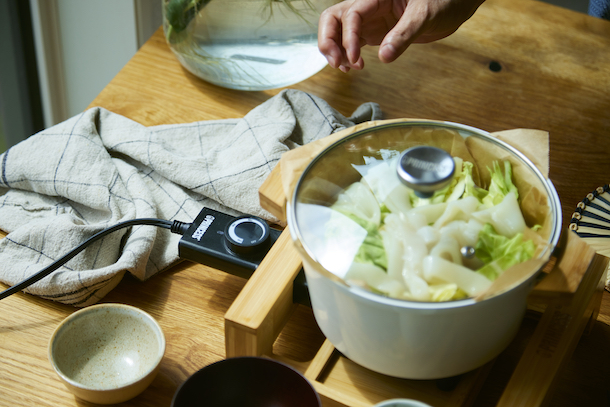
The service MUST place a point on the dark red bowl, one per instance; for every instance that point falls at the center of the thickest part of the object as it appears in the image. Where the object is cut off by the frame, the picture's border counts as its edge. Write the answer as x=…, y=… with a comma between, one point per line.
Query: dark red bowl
x=247, y=381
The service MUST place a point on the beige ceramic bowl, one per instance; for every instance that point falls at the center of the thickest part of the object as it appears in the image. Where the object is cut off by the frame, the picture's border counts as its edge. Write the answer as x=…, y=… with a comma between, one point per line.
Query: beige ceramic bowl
x=107, y=353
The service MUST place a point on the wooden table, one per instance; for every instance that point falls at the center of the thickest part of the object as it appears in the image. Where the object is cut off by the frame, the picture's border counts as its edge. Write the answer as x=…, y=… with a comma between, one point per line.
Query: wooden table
x=554, y=75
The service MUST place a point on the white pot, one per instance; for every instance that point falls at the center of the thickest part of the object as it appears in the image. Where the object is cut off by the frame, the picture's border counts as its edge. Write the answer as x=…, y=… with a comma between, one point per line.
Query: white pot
x=414, y=340
x=408, y=339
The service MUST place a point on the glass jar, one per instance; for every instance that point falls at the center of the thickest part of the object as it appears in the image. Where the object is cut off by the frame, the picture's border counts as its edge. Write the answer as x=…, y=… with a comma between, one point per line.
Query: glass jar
x=246, y=44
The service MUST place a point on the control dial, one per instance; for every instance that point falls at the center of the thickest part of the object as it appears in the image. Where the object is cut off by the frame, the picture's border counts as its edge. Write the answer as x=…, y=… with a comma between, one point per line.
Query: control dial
x=247, y=235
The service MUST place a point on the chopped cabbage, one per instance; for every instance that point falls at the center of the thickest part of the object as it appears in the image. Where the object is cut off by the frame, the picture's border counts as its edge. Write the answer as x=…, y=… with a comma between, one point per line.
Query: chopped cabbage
x=470, y=188
x=412, y=249
x=378, y=176
x=501, y=184
x=358, y=200
x=441, y=270
x=372, y=251
x=505, y=217
x=451, y=192
x=501, y=252
x=374, y=277
x=446, y=292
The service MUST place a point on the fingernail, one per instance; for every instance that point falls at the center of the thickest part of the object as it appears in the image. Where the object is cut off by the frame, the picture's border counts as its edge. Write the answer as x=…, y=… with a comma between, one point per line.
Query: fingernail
x=344, y=68
x=387, y=52
x=331, y=61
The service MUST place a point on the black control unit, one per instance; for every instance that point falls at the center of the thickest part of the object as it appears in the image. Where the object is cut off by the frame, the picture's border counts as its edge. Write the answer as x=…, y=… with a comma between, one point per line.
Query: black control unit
x=229, y=243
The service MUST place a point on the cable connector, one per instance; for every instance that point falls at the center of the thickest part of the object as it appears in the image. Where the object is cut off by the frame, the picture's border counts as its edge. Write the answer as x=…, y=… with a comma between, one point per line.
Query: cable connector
x=180, y=228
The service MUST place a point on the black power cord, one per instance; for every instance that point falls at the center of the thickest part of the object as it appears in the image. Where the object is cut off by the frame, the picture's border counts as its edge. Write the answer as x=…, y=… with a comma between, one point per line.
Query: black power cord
x=174, y=226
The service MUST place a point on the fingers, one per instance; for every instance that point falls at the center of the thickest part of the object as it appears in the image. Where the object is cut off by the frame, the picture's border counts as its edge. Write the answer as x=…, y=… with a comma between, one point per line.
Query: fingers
x=329, y=37
x=411, y=25
x=392, y=24
x=340, y=33
x=425, y=21
x=351, y=35
x=365, y=22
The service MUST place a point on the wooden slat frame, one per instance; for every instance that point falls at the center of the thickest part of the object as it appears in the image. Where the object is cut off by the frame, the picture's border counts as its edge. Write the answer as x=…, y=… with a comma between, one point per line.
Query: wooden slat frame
x=263, y=307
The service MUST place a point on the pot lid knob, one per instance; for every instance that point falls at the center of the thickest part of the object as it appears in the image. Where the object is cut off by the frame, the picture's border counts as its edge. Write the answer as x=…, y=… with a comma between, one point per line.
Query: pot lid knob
x=425, y=169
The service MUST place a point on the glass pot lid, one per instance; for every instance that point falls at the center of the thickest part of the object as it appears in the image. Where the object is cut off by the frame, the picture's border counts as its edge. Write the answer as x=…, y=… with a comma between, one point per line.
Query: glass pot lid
x=357, y=216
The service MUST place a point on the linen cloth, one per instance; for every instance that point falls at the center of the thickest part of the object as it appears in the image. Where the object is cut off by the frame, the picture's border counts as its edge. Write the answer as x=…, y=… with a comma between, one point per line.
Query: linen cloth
x=72, y=180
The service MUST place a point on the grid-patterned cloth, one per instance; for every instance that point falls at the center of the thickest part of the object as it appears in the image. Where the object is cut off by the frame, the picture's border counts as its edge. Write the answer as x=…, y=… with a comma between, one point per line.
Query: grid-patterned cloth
x=68, y=182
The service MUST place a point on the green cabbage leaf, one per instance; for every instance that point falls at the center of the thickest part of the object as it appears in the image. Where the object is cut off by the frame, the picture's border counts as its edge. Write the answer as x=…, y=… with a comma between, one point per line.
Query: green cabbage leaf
x=499, y=252
x=501, y=184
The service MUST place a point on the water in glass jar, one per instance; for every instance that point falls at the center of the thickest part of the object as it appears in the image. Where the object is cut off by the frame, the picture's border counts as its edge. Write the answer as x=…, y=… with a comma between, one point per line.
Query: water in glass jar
x=254, y=44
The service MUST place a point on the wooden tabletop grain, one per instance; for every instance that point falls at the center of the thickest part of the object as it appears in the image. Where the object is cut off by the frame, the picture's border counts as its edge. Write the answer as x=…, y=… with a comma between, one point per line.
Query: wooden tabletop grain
x=515, y=64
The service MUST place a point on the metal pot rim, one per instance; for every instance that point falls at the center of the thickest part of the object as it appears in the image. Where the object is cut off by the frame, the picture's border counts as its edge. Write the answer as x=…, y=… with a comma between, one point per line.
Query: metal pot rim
x=554, y=203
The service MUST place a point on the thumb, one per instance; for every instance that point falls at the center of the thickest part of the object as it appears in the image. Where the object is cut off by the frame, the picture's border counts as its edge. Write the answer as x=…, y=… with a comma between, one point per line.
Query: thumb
x=411, y=25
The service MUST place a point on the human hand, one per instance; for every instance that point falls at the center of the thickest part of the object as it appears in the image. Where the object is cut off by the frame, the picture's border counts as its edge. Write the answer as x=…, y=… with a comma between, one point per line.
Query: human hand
x=392, y=24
